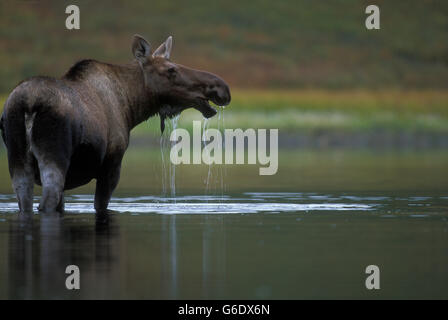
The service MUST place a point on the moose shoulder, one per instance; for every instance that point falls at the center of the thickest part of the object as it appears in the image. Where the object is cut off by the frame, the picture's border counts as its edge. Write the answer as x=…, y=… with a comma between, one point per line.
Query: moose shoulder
x=62, y=133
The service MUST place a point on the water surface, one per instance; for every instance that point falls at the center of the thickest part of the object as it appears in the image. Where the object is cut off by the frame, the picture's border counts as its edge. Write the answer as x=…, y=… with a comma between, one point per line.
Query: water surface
x=308, y=232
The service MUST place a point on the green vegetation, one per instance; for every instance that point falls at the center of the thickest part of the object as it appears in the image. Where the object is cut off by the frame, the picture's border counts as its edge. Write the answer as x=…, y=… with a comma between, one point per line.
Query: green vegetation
x=256, y=44
x=316, y=110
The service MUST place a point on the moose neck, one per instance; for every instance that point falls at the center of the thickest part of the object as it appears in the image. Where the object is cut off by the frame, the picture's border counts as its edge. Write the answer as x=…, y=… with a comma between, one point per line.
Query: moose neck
x=140, y=102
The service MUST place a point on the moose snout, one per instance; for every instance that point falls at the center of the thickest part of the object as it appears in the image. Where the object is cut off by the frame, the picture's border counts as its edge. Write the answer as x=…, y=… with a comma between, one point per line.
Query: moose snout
x=219, y=92
x=223, y=94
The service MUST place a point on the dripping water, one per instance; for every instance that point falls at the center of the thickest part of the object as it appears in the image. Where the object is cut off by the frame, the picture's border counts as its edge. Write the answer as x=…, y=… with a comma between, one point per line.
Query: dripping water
x=204, y=129
x=174, y=122
x=225, y=167
x=221, y=128
x=163, y=142
x=168, y=169
x=215, y=175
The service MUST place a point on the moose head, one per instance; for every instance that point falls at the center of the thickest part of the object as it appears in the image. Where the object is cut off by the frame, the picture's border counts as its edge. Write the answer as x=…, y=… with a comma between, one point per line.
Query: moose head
x=175, y=86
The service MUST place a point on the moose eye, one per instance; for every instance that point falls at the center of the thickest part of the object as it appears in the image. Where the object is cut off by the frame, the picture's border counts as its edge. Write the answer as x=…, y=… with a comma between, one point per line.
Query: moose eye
x=171, y=70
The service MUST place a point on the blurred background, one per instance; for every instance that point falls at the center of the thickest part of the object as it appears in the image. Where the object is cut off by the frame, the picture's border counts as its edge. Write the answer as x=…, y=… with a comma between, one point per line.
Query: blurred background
x=308, y=68
x=298, y=65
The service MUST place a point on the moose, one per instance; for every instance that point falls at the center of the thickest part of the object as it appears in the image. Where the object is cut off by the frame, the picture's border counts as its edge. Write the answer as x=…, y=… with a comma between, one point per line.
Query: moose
x=62, y=133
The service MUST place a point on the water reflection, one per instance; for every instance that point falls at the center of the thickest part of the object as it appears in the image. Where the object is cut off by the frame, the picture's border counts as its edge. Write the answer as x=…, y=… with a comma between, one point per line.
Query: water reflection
x=21, y=259
x=40, y=249
x=209, y=261
x=169, y=256
x=213, y=257
x=274, y=254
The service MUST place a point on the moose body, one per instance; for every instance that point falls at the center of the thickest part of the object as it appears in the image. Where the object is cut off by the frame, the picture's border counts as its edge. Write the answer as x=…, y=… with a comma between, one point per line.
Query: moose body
x=62, y=133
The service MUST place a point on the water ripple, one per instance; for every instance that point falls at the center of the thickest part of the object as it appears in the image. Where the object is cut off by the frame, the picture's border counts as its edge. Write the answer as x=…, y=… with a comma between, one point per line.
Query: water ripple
x=201, y=207
x=252, y=202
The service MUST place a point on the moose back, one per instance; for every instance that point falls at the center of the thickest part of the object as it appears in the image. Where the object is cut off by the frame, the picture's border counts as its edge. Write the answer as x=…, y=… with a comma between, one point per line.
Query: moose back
x=62, y=133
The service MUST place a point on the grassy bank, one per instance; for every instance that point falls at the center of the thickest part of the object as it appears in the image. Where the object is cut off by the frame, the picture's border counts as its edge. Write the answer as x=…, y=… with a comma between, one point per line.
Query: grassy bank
x=323, y=110
x=318, y=110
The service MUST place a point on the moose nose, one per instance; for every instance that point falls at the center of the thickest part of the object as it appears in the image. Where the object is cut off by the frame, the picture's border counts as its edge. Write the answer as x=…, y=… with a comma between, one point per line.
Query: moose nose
x=225, y=94
x=221, y=93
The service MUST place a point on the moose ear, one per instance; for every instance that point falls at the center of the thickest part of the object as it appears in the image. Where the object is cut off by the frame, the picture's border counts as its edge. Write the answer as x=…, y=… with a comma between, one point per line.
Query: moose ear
x=164, y=50
x=140, y=48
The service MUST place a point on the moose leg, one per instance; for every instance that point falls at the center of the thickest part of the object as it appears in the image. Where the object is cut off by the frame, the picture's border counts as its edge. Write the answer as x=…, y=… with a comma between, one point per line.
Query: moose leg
x=51, y=144
x=22, y=176
x=53, y=180
x=106, y=183
x=61, y=205
x=15, y=135
x=23, y=184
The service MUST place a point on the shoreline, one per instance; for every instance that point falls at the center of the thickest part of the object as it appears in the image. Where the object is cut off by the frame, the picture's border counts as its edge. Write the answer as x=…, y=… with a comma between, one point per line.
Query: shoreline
x=328, y=139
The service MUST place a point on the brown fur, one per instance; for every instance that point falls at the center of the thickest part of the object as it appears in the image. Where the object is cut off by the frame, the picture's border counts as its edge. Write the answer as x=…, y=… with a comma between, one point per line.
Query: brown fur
x=62, y=133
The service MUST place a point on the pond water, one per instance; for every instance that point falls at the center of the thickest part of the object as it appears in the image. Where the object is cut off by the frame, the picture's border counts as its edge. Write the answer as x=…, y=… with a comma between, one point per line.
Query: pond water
x=308, y=232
